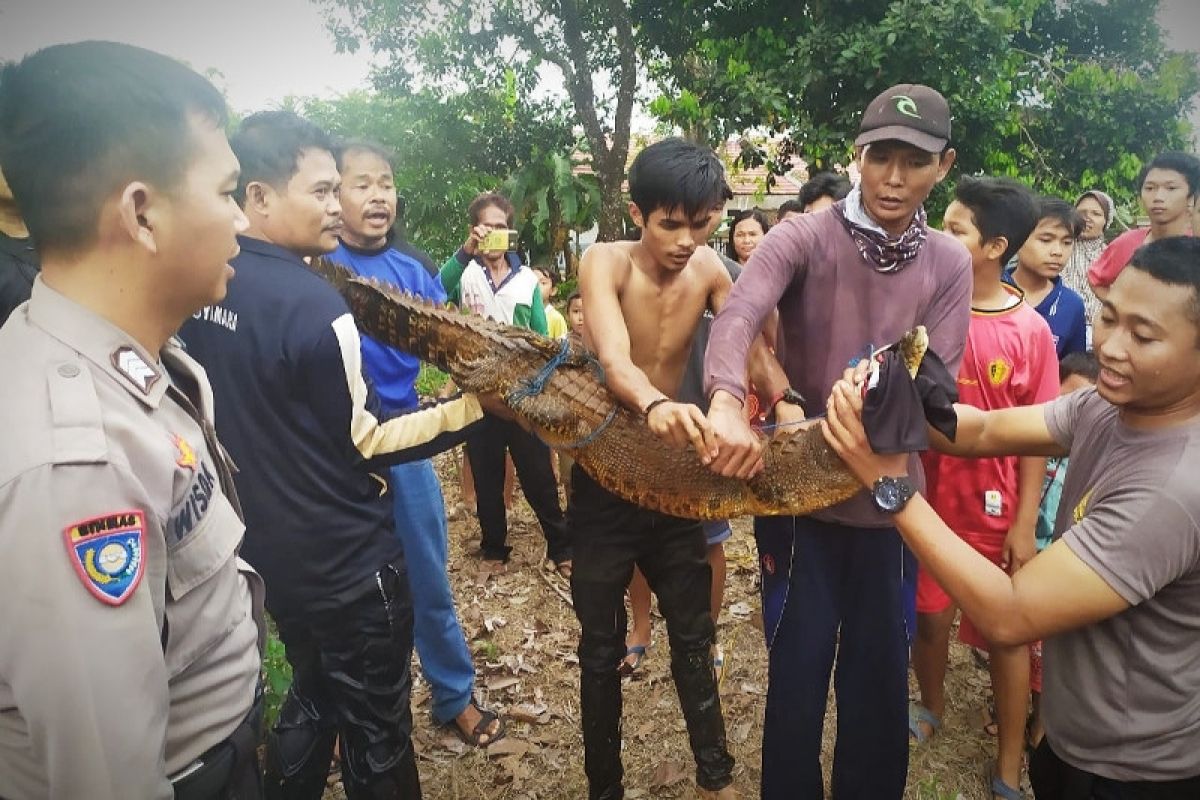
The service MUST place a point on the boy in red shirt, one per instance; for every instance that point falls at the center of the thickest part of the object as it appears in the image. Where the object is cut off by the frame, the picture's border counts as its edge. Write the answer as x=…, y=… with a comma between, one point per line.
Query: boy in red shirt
x=992, y=503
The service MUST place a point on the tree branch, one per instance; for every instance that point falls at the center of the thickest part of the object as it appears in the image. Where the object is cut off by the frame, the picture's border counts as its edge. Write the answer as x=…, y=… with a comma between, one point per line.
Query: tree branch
x=626, y=83
x=581, y=91
x=528, y=38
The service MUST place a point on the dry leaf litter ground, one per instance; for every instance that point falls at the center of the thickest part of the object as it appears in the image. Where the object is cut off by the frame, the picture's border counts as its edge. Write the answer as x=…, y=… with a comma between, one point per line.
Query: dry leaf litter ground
x=522, y=631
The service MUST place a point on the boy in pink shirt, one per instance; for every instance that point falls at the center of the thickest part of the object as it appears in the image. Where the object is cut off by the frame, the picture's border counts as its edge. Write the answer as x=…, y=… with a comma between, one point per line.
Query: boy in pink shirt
x=1167, y=187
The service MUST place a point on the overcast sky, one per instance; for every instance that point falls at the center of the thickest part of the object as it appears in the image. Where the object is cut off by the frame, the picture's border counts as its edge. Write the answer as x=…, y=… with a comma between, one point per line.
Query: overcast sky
x=268, y=49
x=265, y=49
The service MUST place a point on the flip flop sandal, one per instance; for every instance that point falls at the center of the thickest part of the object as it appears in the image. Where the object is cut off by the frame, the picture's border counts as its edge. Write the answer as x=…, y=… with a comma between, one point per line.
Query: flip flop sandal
x=1001, y=789
x=626, y=668
x=917, y=714
x=559, y=569
x=486, y=718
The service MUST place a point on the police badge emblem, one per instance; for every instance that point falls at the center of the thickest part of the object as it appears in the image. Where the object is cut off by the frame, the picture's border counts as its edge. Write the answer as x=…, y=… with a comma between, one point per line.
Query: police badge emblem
x=106, y=553
x=185, y=455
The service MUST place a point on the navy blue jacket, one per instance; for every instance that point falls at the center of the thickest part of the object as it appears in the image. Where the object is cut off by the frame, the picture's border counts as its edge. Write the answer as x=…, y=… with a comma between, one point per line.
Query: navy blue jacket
x=18, y=268
x=304, y=428
x=1064, y=310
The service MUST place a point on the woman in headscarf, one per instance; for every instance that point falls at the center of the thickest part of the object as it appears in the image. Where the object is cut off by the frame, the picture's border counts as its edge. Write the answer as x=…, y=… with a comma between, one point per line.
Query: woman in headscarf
x=1096, y=208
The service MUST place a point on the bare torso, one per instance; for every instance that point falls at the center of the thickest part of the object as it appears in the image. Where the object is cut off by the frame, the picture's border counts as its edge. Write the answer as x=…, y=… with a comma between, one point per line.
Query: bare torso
x=661, y=308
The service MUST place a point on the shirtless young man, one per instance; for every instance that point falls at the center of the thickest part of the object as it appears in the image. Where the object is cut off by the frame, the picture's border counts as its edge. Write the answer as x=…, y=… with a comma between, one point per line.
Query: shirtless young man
x=643, y=301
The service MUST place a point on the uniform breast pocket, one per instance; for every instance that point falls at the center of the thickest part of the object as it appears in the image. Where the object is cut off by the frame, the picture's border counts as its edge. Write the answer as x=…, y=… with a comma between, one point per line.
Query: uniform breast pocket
x=198, y=549
x=208, y=599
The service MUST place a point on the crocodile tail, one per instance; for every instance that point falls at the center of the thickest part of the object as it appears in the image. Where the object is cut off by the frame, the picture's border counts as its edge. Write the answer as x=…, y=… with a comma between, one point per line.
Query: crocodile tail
x=443, y=336
x=403, y=320
x=337, y=274
x=912, y=348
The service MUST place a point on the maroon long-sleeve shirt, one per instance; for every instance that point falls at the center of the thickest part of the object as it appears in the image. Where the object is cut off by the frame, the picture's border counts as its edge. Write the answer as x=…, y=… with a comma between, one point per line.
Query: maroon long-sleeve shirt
x=833, y=305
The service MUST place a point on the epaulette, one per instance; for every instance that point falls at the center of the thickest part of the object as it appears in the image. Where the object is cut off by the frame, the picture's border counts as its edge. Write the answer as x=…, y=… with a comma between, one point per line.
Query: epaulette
x=77, y=424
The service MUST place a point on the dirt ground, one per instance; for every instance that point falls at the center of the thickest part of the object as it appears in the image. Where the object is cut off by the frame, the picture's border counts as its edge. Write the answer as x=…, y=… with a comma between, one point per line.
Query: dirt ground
x=523, y=633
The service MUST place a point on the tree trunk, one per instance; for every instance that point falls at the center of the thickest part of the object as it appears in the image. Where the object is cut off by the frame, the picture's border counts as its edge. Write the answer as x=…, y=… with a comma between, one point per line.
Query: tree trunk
x=557, y=242
x=696, y=133
x=571, y=270
x=611, y=219
x=608, y=155
x=560, y=244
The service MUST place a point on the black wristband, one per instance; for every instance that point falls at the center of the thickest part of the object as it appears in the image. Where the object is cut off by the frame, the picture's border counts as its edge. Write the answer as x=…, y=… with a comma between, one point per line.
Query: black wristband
x=650, y=406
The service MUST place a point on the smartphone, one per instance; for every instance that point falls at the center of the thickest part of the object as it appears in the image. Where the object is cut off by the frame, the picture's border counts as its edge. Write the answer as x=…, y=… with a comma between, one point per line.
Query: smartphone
x=499, y=241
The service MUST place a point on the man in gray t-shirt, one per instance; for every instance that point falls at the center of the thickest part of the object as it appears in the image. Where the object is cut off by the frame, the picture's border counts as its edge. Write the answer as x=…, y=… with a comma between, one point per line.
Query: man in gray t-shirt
x=1117, y=595
x=1122, y=695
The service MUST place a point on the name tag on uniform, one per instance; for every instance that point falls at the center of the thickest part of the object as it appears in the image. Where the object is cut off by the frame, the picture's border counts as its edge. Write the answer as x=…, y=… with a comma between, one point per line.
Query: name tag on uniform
x=993, y=503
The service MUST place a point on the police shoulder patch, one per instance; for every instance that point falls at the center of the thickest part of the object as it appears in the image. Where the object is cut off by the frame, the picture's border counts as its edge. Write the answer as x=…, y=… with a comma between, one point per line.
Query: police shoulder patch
x=106, y=553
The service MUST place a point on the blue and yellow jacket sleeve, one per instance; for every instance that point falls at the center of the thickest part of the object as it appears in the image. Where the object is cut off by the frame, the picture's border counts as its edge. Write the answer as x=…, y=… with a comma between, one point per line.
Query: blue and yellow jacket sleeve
x=350, y=410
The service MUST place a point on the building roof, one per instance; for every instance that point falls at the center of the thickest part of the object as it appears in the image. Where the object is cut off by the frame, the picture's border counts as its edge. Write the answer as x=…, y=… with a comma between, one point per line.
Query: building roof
x=749, y=185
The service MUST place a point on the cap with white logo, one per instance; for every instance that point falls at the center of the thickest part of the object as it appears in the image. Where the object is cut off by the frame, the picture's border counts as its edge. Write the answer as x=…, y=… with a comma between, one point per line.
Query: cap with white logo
x=909, y=112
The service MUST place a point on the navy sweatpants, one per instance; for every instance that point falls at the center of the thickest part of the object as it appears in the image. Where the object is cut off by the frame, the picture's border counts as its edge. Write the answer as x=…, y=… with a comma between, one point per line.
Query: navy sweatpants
x=831, y=590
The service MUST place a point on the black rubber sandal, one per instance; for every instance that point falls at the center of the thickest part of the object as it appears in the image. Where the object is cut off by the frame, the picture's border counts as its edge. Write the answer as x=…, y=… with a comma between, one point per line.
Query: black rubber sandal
x=486, y=718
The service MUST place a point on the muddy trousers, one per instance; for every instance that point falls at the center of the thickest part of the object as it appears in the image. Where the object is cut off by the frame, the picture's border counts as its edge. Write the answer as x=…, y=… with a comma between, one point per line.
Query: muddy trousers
x=609, y=537
x=350, y=679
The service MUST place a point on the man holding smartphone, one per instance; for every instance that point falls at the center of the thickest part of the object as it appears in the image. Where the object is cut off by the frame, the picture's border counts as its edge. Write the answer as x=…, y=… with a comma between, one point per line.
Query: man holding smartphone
x=487, y=277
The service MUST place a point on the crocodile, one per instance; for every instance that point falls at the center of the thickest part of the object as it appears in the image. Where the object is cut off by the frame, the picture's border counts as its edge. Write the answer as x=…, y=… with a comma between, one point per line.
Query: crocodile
x=557, y=388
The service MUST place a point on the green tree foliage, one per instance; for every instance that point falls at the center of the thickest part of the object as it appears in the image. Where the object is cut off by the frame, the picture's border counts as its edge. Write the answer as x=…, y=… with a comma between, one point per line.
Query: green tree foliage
x=1064, y=95
x=447, y=148
x=1112, y=95
x=552, y=201
x=457, y=45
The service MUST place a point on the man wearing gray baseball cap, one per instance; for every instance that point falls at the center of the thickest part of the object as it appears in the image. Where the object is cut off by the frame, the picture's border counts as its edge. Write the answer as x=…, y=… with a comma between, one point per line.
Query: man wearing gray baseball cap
x=909, y=112
x=837, y=583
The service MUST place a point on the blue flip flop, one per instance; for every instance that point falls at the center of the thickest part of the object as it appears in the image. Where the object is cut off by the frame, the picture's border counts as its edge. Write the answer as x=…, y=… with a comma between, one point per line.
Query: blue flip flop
x=627, y=668
x=917, y=714
x=1001, y=789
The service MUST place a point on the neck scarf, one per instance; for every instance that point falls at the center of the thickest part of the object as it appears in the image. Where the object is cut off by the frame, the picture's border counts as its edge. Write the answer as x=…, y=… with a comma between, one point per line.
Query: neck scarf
x=880, y=249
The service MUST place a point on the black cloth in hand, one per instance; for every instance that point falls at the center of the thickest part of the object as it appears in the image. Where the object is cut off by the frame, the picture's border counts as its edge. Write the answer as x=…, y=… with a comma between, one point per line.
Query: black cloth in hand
x=898, y=406
x=939, y=392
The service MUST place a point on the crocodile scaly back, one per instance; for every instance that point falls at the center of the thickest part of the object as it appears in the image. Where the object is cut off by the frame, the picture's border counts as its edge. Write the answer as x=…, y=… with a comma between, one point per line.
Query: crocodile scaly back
x=571, y=409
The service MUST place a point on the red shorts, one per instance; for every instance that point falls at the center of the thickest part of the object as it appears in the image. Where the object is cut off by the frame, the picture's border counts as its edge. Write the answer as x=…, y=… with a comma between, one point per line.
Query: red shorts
x=932, y=599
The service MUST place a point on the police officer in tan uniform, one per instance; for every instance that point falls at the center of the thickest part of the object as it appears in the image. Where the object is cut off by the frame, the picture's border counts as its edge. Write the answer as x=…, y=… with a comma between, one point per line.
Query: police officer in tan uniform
x=130, y=655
